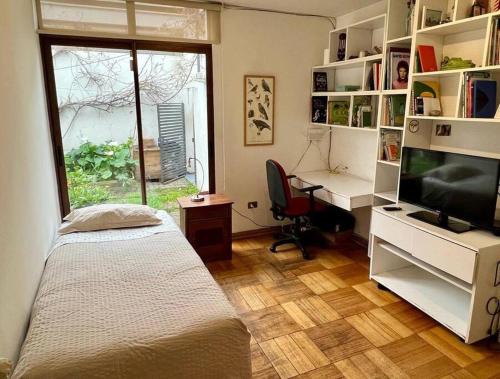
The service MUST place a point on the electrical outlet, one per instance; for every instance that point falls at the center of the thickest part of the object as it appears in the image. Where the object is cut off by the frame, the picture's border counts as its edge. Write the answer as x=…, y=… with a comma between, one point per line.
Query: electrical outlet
x=252, y=204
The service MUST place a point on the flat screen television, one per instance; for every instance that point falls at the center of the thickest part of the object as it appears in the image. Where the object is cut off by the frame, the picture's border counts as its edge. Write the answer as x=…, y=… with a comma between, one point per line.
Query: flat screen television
x=463, y=187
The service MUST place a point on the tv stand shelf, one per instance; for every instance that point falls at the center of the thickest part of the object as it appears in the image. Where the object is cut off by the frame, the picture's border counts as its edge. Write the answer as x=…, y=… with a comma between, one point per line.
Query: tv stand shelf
x=447, y=275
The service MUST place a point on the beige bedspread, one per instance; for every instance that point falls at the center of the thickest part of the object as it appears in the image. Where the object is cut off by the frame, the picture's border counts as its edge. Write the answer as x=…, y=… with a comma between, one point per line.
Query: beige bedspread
x=141, y=308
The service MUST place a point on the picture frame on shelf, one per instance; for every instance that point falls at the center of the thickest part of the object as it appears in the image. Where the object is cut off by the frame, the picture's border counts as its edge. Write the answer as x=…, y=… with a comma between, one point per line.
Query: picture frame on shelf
x=431, y=17
x=259, y=97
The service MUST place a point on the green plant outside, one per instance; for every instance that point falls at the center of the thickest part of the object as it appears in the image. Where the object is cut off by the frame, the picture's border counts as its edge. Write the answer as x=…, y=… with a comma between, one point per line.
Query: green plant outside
x=91, y=170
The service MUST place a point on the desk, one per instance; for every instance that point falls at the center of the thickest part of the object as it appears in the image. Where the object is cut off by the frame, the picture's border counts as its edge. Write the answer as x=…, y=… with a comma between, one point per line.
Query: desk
x=342, y=190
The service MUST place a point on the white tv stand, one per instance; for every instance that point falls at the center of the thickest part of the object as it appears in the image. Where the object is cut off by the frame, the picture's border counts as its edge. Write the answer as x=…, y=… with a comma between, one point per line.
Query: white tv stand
x=449, y=276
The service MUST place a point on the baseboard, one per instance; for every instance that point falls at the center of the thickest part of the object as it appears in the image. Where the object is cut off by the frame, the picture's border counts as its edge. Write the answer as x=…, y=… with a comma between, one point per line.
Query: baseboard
x=360, y=240
x=256, y=233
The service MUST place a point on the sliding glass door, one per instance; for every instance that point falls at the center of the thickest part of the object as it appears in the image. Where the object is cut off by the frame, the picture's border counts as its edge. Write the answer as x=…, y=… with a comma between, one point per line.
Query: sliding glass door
x=130, y=123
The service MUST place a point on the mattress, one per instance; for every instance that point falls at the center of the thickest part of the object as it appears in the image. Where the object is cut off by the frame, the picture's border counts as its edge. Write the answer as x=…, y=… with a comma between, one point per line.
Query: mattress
x=132, y=308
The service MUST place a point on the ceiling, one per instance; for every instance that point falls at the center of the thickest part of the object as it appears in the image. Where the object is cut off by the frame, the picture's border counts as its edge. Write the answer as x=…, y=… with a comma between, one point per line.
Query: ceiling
x=321, y=7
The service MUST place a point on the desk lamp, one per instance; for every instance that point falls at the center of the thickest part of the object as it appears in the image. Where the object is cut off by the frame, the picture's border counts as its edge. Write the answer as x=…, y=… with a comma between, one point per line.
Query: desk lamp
x=198, y=197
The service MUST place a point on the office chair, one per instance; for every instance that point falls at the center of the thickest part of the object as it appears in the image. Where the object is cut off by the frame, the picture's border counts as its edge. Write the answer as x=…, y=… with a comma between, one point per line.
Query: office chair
x=286, y=206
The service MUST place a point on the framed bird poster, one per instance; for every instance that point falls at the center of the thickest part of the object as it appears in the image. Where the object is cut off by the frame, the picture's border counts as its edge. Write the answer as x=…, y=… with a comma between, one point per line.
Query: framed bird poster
x=259, y=110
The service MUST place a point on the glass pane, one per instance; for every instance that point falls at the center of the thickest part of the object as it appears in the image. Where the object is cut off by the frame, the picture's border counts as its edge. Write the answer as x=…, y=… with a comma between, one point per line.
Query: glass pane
x=174, y=122
x=108, y=16
x=168, y=21
x=96, y=99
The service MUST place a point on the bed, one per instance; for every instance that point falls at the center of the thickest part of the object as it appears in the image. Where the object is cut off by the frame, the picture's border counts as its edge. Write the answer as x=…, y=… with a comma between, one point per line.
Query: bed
x=132, y=303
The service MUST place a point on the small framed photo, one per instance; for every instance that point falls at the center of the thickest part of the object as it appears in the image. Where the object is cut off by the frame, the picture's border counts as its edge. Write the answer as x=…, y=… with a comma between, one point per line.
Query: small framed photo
x=443, y=130
x=431, y=17
x=259, y=95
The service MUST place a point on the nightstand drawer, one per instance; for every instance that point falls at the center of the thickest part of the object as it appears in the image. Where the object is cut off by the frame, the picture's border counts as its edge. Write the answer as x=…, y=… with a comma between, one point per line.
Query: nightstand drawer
x=205, y=213
x=454, y=259
x=393, y=231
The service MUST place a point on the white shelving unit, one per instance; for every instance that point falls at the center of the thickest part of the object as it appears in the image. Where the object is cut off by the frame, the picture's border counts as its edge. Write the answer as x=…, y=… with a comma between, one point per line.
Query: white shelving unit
x=466, y=37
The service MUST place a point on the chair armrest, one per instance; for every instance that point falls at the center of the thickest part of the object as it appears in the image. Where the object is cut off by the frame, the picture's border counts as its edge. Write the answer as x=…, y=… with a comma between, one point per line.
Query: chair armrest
x=311, y=189
x=291, y=176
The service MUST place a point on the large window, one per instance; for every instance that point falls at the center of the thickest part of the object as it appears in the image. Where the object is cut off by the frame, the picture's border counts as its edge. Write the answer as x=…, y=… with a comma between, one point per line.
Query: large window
x=132, y=122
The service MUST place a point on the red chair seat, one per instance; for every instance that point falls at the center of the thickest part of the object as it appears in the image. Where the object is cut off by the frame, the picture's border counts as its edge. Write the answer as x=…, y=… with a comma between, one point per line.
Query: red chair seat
x=300, y=206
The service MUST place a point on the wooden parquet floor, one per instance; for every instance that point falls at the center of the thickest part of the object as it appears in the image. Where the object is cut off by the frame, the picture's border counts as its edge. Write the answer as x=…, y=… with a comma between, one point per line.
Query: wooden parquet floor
x=324, y=318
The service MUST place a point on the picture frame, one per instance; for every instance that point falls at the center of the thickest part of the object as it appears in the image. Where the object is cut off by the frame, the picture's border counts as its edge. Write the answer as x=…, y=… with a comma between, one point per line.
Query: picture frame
x=259, y=100
x=431, y=17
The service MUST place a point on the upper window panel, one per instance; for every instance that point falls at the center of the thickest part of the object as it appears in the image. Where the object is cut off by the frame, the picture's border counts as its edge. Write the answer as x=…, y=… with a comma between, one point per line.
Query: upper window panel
x=105, y=16
x=168, y=21
x=176, y=20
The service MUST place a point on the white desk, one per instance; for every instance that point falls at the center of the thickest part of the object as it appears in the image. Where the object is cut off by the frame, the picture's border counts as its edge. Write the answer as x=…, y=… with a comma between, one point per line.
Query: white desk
x=342, y=190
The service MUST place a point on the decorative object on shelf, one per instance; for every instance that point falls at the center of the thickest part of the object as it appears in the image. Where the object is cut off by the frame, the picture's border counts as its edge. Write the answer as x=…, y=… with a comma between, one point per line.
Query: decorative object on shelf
x=497, y=115
x=455, y=63
x=341, y=48
x=427, y=58
x=377, y=50
x=431, y=17
x=320, y=82
x=443, y=130
x=362, y=54
x=393, y=111
x=414, y=126
x=410, y=16
x=259, y=110
x=338, y=112
x=318, y=112
x=435, y=112
x=477, y=9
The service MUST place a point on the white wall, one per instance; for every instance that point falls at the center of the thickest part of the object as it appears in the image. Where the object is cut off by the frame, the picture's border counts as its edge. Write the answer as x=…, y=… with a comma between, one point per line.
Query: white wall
x=29, y=212
x=269, y=44
x=358, y=153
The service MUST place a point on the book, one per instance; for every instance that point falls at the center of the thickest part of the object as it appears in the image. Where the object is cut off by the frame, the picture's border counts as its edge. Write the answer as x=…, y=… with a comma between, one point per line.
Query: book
x=338, y=112
x=390, y=76
x=427, y=58
x=397, y=110
x=484, y=99
x=319, y=104
x=467, y=96
x=399, y=69
x=390, y=149
x=320, y=82
x=425, y=97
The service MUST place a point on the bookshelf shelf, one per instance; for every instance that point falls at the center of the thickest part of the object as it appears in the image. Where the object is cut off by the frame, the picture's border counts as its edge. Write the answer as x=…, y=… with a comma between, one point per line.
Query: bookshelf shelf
x=389, y=163
x=458, y=119
x=395, y=91
x=400, y=40
x=356, y=62
x=389, y=196
x=391, y=127
x=455, y=72
x=460, y=26
x=374, y=129
x=346, y=93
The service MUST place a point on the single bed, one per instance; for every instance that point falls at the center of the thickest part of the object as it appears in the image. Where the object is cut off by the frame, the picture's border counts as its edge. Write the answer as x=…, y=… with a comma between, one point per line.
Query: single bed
x=134, y=303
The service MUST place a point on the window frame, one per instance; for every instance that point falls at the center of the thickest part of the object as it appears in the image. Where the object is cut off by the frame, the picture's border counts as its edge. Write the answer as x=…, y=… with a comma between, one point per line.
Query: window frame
x=46, y=43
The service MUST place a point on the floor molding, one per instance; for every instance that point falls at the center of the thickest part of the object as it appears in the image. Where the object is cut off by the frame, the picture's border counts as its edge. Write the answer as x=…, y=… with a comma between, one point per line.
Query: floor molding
x=256, y=233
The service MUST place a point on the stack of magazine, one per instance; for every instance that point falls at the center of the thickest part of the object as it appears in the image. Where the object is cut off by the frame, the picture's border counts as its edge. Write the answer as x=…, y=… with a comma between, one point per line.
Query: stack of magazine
x=390, y=145
x=394, y=110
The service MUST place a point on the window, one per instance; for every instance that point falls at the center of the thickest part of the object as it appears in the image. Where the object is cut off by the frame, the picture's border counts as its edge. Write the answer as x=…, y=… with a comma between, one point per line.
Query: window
x=172, y=20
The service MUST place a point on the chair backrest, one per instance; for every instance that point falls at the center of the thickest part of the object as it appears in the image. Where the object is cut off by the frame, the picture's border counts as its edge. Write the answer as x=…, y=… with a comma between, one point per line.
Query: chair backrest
x=277, y=183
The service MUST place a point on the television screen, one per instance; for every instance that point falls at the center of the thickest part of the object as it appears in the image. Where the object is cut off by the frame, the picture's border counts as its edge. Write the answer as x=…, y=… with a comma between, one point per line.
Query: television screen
x=456, y=185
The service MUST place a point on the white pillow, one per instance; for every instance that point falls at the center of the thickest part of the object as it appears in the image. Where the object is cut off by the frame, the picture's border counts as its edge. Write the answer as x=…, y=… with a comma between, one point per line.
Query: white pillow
x=109, y=216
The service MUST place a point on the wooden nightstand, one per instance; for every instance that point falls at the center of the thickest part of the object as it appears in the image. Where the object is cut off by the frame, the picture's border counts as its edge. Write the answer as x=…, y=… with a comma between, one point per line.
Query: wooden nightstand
x=207, y=226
